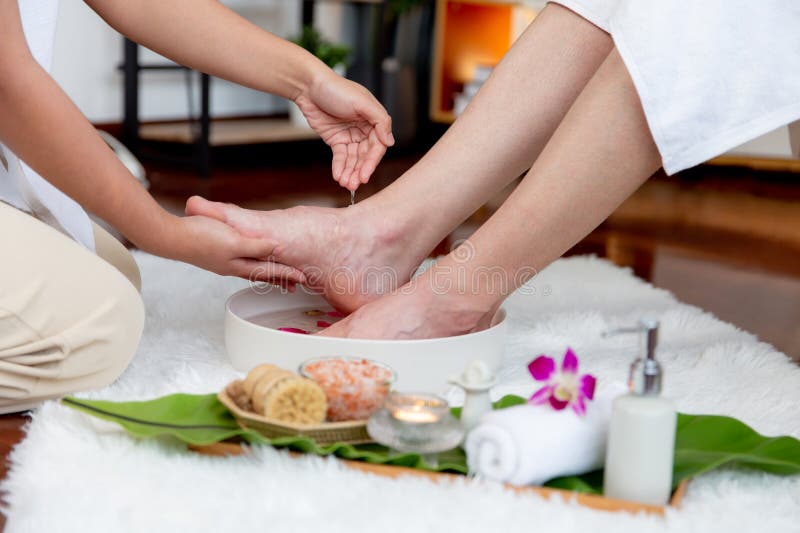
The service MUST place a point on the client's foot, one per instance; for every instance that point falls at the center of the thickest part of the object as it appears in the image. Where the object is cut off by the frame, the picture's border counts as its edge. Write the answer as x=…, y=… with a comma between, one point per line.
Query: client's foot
x=416, y=311
x=351, y=255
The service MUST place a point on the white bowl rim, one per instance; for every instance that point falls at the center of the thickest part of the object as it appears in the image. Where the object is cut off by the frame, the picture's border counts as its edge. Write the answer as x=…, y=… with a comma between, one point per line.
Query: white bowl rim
x=500, y=317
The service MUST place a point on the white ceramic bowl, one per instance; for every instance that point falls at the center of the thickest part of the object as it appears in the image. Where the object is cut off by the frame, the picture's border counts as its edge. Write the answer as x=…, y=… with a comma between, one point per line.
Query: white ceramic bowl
x=421, y=365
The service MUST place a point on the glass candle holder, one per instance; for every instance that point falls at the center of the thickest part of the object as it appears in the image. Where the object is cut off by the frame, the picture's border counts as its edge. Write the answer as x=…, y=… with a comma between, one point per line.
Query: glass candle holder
x=417, y=423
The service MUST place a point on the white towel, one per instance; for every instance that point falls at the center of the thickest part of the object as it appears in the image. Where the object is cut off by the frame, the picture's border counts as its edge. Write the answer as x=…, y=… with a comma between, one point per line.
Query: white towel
x=531, y=444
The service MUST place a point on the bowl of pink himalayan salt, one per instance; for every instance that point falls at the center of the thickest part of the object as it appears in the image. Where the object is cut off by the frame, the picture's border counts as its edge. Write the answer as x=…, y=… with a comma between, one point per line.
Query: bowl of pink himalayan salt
x=354, y=387
x=278, y=327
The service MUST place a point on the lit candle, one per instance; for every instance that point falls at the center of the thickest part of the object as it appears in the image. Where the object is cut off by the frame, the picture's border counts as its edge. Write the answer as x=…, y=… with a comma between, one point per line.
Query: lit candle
x=419, y=423
x=416, y=408
x=415, y=415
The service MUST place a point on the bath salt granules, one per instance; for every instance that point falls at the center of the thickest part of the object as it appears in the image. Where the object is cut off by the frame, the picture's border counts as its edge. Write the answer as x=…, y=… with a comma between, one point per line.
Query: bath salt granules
x=355, y=388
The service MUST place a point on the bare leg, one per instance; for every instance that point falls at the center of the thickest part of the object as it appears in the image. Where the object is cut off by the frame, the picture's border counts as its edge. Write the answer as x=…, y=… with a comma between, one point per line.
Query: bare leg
x=503, y=130
x=499, y=136
x=598, y=156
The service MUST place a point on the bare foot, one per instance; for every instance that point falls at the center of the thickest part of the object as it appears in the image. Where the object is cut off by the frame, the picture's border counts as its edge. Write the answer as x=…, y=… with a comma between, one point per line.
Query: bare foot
x=415, y=311
x=351, y=255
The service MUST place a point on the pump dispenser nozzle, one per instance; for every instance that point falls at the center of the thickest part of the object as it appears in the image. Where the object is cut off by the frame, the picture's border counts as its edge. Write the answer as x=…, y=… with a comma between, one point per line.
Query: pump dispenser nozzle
x=649, y=382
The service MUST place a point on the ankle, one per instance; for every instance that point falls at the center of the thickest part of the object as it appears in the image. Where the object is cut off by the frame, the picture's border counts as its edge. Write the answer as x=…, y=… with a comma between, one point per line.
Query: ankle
x=379, y=228
x=460, y=310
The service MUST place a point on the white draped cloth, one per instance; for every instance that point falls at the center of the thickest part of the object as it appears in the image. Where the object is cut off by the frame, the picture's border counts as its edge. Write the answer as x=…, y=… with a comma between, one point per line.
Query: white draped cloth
x=711, y=74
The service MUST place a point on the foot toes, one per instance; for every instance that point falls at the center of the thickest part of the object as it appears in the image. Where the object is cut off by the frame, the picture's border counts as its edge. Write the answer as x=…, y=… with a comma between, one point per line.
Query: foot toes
x=197, y=205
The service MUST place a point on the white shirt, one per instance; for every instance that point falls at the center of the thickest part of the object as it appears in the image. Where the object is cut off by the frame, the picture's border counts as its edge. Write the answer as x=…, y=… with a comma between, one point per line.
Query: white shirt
x=20, y=186
x=711, y=74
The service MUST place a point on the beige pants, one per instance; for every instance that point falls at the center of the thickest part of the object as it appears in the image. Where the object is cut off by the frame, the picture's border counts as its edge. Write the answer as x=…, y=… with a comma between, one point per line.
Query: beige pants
x=70, y=320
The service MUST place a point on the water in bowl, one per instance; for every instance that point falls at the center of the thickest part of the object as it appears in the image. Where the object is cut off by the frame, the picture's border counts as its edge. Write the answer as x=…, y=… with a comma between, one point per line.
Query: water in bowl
x=299, y=320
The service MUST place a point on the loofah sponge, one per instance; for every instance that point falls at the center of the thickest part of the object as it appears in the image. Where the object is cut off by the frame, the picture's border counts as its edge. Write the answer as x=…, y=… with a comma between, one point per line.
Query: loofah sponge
x=236, y=393
x=282, y=395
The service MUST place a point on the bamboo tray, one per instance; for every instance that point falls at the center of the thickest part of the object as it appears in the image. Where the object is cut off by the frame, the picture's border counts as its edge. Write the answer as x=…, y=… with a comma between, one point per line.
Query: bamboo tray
x=351, y=432
x=592, y=501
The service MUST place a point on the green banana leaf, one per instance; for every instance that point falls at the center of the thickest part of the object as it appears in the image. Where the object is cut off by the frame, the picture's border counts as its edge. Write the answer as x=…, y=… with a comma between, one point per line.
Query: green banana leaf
x=589, y=483
x=702, y=442
x=191, y=418
x=202, y=419
x=706, y=442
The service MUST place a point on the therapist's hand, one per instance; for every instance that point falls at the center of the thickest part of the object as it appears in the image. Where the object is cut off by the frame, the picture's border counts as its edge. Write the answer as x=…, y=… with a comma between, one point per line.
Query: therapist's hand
x=209, y=37
x=351, y=121
x=215, y=246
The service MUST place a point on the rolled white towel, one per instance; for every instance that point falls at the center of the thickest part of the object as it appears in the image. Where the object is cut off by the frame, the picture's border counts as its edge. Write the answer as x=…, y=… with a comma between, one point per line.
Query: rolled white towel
x=531, y=444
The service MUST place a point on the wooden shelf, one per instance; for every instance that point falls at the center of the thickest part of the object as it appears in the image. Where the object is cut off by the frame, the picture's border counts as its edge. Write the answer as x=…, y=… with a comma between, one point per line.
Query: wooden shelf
x=469, y=33
x=230, y=132
x=773, y=164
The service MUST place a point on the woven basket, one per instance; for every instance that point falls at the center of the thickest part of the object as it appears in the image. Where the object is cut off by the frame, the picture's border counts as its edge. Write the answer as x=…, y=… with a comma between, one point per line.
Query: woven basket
x=350, y=432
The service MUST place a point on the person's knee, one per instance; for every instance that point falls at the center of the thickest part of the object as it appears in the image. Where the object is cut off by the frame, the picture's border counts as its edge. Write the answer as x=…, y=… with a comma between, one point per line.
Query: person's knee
x=90, y=353
x=122, y=331
x=101, y=345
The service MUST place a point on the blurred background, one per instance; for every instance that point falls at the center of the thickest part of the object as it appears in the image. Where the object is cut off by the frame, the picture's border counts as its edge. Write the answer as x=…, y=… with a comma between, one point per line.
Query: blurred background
x=724, y=236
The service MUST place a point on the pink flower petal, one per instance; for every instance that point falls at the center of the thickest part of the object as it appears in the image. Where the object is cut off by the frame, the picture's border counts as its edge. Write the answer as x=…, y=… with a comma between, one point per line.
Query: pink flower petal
x=323, y=324
x=294, y=330
x=570, y=363
x=579, y=406
x=541, y=396
x=587, y=385
x=557, y=404
x=542, y=368
x=337, y=314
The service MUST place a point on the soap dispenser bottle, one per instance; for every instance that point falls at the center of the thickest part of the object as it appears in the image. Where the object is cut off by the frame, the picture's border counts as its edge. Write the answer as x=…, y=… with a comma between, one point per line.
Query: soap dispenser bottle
x=641, y=437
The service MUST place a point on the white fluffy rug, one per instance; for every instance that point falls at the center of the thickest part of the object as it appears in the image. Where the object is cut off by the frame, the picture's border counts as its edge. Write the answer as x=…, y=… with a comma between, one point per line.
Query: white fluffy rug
x=74, y=474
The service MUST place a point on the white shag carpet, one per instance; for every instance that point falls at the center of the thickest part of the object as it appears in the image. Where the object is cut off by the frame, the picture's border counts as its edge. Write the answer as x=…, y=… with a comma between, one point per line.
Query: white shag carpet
x=72, y=473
